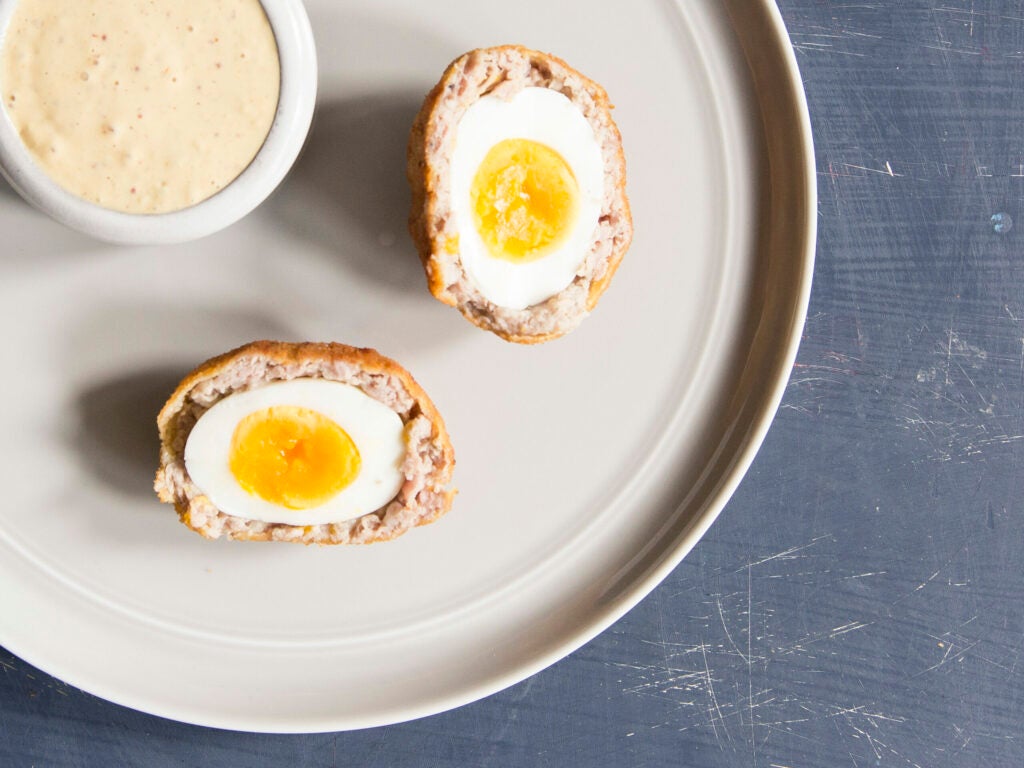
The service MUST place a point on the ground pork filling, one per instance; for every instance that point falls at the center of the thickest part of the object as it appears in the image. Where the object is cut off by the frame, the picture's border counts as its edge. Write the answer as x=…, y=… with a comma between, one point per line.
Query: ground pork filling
x=504, y=73
x=421, y=499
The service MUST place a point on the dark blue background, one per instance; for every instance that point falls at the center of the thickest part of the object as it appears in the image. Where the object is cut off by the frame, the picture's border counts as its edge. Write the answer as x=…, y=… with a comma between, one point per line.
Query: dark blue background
x=859, y=601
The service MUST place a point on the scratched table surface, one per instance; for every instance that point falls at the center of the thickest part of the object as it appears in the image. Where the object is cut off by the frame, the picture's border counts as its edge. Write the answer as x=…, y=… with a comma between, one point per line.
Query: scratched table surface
x=859, y=601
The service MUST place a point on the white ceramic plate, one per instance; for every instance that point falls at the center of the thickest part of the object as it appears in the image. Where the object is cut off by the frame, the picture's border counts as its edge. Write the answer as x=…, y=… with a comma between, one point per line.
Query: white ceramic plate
x=588, y=467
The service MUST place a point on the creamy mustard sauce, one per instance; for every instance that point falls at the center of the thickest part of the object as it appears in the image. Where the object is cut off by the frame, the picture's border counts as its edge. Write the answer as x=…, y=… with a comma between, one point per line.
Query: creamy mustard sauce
x=141, y=106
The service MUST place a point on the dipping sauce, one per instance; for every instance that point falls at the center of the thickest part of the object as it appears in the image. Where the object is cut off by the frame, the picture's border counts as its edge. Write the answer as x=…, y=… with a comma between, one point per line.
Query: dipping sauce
x=141, y=106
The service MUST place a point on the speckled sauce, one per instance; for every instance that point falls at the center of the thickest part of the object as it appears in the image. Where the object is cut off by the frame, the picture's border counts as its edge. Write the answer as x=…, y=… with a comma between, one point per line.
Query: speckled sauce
x=141, y=106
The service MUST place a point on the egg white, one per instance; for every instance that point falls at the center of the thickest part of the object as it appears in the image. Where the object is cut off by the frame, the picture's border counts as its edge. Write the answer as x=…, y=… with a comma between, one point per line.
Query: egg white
x=547, y=117
x=376, y=430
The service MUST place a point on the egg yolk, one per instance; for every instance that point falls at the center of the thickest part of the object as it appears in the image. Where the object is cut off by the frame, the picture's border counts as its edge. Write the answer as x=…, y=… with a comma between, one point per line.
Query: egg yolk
x=293, y=457
x=524, y=199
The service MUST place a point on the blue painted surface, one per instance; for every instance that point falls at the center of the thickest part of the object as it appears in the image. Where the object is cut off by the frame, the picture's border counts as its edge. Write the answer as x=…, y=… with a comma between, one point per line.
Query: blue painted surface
x=859, y=601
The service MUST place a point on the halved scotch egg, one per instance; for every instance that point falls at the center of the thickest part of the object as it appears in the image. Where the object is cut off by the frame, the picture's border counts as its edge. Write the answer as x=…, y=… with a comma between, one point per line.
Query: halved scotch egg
x=313, y=443
x=519, y=209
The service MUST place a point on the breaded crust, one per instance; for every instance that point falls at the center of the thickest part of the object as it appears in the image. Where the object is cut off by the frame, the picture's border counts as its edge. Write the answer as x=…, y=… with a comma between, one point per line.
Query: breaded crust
x=429, y=461
x=503, y=71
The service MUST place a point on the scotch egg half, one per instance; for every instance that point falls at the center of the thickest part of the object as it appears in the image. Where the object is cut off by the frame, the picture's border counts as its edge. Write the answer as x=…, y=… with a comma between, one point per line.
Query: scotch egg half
x=519, y=207
x=303, y=442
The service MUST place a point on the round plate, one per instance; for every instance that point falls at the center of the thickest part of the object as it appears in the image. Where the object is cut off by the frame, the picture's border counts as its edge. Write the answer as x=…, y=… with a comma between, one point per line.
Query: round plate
x=587, y=467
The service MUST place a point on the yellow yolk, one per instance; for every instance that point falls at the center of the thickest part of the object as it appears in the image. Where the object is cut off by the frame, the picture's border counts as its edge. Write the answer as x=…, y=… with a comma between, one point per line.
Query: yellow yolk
x=291, y=456
x=524, y=199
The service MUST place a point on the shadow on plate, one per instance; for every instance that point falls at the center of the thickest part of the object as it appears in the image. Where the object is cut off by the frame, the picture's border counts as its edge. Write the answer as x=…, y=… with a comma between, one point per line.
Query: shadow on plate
x=7, y=191
x=32, y=240
x=348, y=193
x=116, y=435
x=114, y=415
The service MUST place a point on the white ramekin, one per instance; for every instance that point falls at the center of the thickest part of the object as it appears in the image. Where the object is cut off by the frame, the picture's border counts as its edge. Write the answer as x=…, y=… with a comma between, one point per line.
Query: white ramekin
x=297, y=54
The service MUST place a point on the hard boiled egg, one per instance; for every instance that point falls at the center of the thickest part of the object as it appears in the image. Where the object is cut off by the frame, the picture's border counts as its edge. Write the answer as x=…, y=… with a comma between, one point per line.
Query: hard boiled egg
x=527, y=184
x=300, y=452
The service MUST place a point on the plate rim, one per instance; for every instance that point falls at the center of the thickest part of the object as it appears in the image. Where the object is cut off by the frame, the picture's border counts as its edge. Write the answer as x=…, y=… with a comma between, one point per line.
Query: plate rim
x=638, y=589
x=630, y=598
